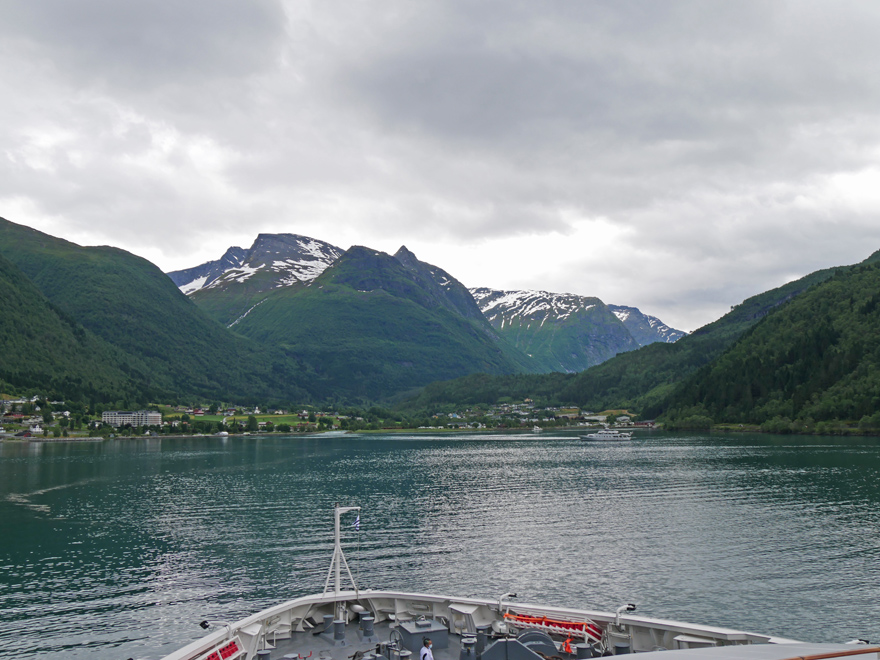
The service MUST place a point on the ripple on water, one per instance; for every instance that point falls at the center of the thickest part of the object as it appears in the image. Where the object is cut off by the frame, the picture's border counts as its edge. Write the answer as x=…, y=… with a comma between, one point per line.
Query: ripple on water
x=119, y=549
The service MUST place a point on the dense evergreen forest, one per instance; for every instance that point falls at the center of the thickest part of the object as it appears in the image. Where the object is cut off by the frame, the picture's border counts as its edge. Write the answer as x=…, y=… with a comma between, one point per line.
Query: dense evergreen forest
x=44, y=349
x=817, y=358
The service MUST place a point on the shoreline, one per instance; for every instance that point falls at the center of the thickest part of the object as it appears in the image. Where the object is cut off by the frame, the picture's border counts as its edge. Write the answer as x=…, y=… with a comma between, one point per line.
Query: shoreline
x=332, y=433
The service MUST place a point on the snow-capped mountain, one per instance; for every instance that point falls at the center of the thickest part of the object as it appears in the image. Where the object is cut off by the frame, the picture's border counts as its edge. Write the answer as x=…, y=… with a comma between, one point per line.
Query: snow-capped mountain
x=504, y=307
x=568, y=332
x=557, y=331
x=560, y=331
x=273, y=261
x=646, y=329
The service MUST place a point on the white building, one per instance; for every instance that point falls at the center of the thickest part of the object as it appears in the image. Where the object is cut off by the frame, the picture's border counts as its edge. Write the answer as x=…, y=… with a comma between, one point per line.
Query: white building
x=117, y=418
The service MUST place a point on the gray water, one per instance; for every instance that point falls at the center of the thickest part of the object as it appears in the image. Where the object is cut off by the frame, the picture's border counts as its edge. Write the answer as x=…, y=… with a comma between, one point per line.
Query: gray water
x=118, y=549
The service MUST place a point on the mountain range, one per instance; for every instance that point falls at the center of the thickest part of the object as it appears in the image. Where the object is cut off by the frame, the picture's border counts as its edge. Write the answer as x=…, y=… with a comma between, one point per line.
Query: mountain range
x=295, y=319
x=291, y=317
x=538, y=331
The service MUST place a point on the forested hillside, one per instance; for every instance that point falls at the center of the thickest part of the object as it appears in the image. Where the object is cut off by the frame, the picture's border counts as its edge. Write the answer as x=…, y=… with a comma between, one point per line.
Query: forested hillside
x=168, y=342
x=641, y=379
x=816, y=358
x=42, y=348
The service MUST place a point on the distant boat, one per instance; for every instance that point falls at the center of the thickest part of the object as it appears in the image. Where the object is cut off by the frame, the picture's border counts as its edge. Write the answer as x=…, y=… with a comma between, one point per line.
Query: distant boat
x=222, y=434
x=608, y=434
x=536, y=429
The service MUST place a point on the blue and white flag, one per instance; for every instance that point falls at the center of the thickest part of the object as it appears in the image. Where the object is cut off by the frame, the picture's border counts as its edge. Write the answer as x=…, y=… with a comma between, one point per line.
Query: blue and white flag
x=357, y=523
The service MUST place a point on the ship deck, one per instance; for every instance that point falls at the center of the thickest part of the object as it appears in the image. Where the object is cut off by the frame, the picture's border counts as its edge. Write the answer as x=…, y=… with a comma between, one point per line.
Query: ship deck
x=323, y=647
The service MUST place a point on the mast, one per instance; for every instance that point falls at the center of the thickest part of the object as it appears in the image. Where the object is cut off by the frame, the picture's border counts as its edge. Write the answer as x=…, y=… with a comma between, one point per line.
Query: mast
x=338, y=560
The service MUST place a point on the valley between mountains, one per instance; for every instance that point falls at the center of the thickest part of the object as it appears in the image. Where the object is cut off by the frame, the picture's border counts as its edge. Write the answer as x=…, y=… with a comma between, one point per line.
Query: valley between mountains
x=402, y=319
x=296, y=319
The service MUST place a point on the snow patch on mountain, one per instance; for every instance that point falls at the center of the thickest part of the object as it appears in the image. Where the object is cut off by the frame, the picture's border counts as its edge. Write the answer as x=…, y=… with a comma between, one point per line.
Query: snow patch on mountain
x=195, y=285
x=240, y=274
x=533, y=305
x=193, y=279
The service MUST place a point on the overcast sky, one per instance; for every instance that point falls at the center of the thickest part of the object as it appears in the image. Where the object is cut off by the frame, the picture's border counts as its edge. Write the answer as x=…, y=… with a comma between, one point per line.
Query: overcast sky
x=675, y=156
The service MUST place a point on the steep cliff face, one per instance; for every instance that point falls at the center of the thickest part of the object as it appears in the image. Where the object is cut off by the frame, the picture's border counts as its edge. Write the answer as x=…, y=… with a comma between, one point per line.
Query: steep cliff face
x=445, y=287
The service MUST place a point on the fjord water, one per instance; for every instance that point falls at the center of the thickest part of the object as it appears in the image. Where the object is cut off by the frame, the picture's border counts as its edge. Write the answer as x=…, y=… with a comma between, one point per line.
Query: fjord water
x=118, y=549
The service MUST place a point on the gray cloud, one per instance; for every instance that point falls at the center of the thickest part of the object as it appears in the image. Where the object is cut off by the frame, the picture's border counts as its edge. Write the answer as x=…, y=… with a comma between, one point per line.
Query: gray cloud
x=136, y=44
x=708, y=151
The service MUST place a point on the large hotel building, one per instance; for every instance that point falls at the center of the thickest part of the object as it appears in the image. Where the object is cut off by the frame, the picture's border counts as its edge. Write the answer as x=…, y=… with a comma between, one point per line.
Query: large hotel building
x=119, y=418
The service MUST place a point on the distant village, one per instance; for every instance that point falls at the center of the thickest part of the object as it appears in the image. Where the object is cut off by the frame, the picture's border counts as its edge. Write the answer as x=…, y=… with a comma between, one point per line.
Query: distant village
x=39, y=419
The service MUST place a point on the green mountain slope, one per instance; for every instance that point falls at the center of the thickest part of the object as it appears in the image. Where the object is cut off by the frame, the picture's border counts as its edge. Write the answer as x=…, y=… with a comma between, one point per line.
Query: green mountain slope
x=640, y=379
x=643, y=378
x=374, y=326
x=129, y=303
x=226, y=306
x=43, y=349
x=818, y=357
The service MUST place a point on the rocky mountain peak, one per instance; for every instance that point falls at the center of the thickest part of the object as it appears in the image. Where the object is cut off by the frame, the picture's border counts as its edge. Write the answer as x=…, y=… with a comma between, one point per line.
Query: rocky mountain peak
x=273, y=261
x=645, y=329
x=406, y=257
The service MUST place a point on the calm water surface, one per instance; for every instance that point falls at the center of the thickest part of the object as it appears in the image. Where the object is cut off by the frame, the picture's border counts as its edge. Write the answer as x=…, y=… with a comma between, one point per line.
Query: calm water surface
x=119, y=549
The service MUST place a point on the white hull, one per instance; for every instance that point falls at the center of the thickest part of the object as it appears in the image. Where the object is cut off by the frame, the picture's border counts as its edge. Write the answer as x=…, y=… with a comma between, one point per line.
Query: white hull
x=608, y=435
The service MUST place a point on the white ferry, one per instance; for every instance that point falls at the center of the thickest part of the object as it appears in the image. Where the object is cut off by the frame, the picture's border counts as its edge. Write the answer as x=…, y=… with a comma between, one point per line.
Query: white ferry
x=608, y=434
x=358, y=624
